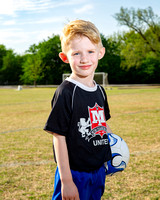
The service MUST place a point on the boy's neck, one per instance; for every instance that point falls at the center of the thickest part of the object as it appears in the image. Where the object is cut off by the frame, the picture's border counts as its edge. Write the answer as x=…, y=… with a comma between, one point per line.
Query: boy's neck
x=87, y=81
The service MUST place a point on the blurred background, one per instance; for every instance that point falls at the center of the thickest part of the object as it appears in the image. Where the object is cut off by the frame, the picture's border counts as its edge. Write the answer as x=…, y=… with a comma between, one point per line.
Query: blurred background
x=29, y=39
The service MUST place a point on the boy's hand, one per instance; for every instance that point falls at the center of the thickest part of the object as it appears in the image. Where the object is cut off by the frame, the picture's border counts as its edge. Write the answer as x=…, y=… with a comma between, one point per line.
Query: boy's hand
x=69, y=191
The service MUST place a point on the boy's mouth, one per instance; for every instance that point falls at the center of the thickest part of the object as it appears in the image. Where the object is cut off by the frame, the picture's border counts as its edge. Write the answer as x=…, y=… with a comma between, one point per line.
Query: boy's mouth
x=85, y=67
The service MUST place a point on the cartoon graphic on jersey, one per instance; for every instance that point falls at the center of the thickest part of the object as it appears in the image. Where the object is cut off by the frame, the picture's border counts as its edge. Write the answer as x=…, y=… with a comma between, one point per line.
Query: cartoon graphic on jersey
x=83, y=125
x=95, y=125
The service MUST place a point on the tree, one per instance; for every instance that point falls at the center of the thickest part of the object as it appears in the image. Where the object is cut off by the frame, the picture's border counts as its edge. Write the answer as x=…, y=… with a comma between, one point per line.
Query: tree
x=49, y=66
x=110, y=63
x=53, y=66
x=3, y=52
x=140, y=47
x=133, y=50
x=11, y=68
x=145, y=23
x=32, y=69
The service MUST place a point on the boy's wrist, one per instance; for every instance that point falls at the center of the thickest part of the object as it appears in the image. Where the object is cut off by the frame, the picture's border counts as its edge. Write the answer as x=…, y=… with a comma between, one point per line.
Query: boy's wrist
x=66, y=176
x=66, y=180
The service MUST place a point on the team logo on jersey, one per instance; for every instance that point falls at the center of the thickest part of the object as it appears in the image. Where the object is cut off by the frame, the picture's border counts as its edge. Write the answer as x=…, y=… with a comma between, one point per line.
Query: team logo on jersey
x=95, y=125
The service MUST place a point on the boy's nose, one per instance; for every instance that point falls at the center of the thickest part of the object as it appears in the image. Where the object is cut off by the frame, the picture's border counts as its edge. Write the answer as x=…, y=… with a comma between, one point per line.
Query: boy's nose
x=84, y=58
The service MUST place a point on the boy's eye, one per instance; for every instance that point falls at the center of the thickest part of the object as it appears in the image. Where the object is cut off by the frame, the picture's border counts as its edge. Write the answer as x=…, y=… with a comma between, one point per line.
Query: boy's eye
x=91, y=51
x=75, y=54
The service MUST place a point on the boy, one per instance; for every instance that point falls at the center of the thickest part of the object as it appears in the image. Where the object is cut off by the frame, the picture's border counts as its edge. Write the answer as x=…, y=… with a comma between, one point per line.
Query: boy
x=78, y=118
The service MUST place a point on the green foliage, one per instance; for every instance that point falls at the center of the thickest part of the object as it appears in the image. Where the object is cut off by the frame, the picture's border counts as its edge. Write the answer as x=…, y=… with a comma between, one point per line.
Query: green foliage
x=132, y=50
x=111, y=60
x=11, y=68
x=54, y=67
x=145, y=23
x=141, y=20
x=140, y=47
x=3, y=52
x=32, y=69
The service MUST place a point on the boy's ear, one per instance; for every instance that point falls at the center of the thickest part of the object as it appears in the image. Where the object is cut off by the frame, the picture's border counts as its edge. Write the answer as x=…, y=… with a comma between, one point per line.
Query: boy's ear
x=63, y=57
x=101, y=53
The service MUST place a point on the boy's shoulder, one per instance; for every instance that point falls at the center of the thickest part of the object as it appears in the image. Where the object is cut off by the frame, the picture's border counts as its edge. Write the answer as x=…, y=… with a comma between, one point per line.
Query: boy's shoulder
x=64, y=92
x=65, y=87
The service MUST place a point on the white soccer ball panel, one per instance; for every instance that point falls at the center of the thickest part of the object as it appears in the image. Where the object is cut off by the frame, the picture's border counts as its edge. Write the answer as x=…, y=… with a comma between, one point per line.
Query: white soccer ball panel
x=125, y=151
x=117, y=160
x=120, y=154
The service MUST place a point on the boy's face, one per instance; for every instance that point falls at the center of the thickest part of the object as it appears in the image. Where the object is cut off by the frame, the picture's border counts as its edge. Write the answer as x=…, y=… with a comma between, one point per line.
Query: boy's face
x=83, y=56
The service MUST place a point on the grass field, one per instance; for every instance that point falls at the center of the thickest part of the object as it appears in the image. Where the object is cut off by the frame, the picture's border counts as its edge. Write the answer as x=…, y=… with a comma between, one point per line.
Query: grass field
x=26, y=161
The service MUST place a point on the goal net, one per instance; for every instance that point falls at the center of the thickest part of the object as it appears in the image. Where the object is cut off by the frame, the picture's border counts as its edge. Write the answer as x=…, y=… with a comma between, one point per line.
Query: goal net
x=100, y=78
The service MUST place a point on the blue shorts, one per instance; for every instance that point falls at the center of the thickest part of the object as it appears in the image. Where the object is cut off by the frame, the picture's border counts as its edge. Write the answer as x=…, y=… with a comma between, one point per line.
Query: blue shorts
x=90, y=185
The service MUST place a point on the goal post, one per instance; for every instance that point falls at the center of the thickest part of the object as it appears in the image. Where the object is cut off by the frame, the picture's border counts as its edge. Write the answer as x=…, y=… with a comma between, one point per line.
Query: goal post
x=100, y=77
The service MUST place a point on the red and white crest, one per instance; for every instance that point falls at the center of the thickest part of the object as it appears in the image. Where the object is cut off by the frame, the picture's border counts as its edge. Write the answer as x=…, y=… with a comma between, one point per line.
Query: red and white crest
x=97, y=119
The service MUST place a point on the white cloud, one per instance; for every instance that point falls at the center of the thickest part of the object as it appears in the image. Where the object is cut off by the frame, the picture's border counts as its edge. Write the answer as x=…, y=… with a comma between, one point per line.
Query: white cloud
x=44, y=21
x=43, y=35
x=21, y=26
x=21, y=40
x=85, y=9
x=9, y=22
x=17, y=39
x=12, y=36
x=31, y=5
x=11, y=7
x=7, y=8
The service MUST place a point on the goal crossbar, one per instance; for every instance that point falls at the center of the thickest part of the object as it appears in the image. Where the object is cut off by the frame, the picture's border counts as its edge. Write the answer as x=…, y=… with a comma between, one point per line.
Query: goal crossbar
x=99, y=77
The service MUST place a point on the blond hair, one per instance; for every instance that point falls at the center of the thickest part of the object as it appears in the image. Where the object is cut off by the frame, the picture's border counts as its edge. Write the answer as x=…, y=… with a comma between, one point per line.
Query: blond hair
x=79, y=28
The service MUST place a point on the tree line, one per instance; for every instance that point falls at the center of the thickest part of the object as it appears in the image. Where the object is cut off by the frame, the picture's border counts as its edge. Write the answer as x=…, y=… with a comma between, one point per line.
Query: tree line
x=131, y=57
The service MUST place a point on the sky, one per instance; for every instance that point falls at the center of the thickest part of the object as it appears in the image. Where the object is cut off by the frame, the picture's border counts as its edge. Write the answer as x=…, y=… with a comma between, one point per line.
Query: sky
x=27, y=22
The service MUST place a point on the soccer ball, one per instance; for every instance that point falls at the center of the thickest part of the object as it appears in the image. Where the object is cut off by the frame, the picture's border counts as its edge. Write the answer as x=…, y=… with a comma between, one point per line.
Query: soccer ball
x=120, y=155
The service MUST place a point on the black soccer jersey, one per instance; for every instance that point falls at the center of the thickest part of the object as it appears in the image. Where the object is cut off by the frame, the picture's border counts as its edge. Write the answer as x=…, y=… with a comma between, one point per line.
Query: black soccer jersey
x=79, y=113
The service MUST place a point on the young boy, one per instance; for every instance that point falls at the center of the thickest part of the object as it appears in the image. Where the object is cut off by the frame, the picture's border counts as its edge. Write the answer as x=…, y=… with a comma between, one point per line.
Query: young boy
x=78, y=118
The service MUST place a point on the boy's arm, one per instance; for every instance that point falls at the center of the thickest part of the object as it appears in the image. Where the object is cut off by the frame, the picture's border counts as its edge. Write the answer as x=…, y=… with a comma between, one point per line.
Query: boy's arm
x=108, y=129
x=69, y=189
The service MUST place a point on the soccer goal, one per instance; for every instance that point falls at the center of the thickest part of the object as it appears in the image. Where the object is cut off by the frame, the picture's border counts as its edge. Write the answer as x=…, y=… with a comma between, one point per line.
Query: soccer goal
x=100, y=78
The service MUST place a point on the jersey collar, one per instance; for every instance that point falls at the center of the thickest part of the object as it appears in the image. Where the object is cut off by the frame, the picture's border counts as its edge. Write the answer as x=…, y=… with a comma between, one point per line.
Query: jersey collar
x=82, y=86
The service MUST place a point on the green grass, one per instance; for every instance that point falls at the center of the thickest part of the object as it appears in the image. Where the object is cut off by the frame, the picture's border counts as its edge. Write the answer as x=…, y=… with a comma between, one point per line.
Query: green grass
x=26, y=160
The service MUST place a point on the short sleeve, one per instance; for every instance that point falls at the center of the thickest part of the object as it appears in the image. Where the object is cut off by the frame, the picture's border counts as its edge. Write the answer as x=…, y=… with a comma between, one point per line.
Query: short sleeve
x=59, y=118
x=106, y=106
